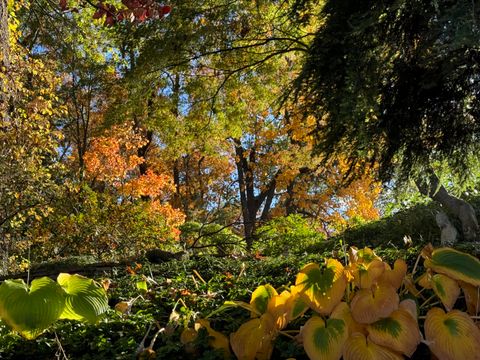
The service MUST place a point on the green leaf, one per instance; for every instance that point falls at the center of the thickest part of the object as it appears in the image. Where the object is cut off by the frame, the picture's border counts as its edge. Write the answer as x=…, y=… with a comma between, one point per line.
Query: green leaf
x=456, y=264
x=85, y=300
x=31, y=310
x=142, y=285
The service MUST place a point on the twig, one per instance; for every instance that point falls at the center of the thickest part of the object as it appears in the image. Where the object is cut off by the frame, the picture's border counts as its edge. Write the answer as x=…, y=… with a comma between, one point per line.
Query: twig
x=60, y=352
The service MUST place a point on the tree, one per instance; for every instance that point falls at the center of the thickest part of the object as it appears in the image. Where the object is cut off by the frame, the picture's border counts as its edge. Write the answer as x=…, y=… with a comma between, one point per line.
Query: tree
x=28, y=141
x=395, y=85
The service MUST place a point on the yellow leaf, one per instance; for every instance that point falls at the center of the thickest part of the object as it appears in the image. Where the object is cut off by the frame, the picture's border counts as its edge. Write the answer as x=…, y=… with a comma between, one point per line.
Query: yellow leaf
x=342, y=311
x=370, y=305
x=260, y=298
x=324, y=340
x=357, y=347
x=296, y=305
x=472, y=298
x=425, y=280
x=278, y=308
x=398, y=332
x=254, y=339
x=218, y=340
x=446, y=289
x=452, y=335
x=367, y=274
x=395, y=276
x=323, y=288
x=410, y=306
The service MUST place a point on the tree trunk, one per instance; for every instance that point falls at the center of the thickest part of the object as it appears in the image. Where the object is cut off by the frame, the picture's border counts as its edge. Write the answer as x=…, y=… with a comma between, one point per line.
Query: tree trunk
x=432, y=188
x=251, y=204
x=4, y=54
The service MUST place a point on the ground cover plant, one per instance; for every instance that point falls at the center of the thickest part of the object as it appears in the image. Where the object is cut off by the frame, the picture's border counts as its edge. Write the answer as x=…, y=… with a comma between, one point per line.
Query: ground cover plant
x=214, y=308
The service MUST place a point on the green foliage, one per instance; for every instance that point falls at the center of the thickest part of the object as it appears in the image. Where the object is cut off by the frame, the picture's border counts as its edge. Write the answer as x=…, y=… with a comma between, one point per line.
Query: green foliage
x=398, y=81
x=87, y=222
x=286, y=235
x=30, y=309
x=416, y=223
x=209, y=238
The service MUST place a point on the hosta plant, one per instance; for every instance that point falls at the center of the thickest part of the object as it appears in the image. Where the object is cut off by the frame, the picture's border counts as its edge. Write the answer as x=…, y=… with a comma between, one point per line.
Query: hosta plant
x=367, y=309
x=30, y=309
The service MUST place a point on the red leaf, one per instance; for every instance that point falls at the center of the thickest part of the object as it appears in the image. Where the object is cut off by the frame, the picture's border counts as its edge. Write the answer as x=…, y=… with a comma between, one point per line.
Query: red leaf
x=98, y=14
x=63, y=5
x=140, y=14
x=166, y=9
x=109, y=20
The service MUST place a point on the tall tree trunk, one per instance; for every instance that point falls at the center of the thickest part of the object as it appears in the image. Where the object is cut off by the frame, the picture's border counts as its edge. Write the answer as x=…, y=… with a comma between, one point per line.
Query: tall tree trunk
x=430, y=186
x=250, y=203
x=4, y=54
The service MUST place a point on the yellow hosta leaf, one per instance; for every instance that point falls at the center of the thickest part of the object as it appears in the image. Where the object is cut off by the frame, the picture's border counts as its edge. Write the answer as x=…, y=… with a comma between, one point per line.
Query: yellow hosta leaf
x=363, y=256
x=410, y=306
x=398, y=332
x=342, y=311
x=425, y=280
x=455, y=264
x=296, y=305
x=254, y=339
x=370, y=305
x=278, y=307
x=324, y=340
x=446, y=289
x=217, y=339
x=365, y=275
x=395, y=276
x=260, y=298
x=357, y=347
x=472, y=298
x=323, y=288
x=452, y=335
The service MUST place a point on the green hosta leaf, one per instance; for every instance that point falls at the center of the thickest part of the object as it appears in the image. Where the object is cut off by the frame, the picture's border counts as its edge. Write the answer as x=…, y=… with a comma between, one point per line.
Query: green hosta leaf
x=85, y=300
x=261, y=296
x=31, y=310
x=455, y=264
x=324, y=340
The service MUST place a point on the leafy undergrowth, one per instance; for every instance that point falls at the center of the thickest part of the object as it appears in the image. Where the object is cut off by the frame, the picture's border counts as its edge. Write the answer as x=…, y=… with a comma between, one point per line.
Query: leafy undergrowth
x=156, y=302
x=178, y=292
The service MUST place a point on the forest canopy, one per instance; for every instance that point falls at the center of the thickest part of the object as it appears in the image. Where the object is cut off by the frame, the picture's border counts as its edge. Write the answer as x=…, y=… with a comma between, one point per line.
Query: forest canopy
x=137, y=125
